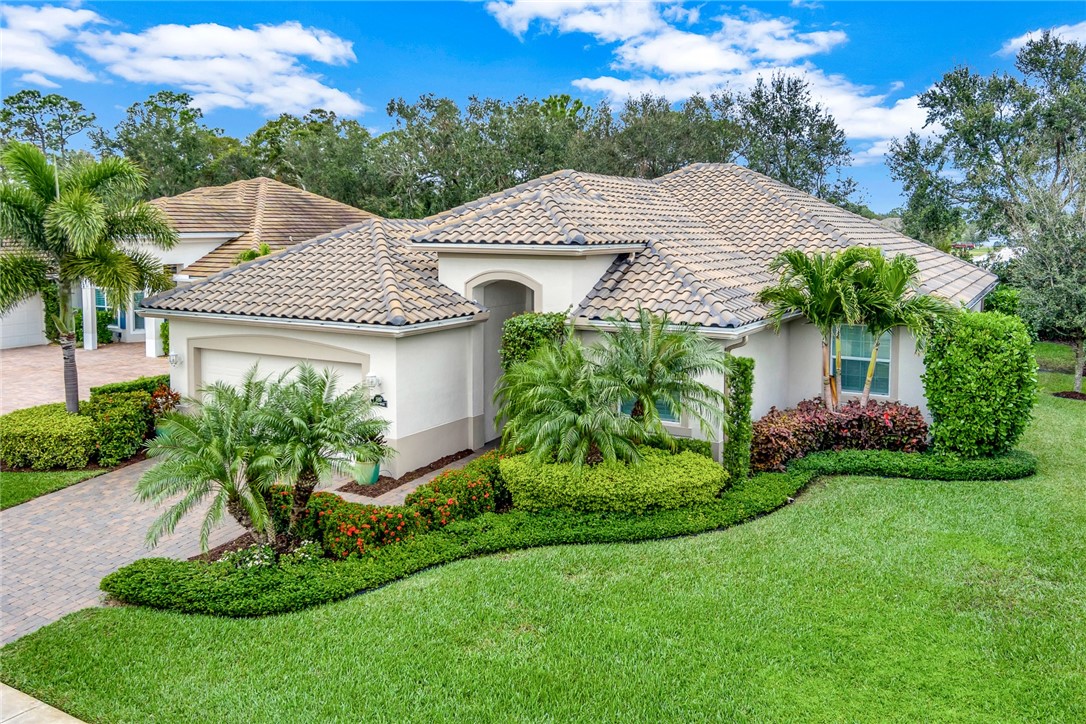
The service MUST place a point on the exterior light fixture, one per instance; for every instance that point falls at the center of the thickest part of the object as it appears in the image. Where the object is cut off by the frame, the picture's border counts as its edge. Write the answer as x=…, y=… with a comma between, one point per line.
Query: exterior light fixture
x=176, y=359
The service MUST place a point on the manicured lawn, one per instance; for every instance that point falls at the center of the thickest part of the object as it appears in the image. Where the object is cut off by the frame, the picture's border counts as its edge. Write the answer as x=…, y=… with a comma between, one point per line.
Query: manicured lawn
x=867, y=600
x=18, y=488
x=1055, y=357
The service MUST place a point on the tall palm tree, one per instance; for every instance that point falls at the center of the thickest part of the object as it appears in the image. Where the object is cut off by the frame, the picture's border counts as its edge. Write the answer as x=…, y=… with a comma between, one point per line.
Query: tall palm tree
x=889, y=296
x=657, y=363
x=84, y=222
x=321, y=430
x=219, y=449
x=557, y=406
x=820, y=288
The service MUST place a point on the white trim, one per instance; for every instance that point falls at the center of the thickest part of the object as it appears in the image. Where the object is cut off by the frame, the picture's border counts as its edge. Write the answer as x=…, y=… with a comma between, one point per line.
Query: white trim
x=529, y=249
x=712, y=332
x=377, y=330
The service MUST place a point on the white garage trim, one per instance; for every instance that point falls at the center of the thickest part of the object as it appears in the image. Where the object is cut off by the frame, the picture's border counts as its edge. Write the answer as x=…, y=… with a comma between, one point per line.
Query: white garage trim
x=377, y=330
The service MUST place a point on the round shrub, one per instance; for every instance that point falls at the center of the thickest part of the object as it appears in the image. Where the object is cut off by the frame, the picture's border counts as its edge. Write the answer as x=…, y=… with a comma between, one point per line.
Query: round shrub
x=660, y=481
x=981, y=383
x=46, y=437
x=122, y=420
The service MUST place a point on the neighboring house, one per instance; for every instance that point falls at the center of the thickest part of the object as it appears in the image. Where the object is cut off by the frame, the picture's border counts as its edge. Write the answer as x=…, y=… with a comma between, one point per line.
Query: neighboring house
x=215, y=224
x=414, y=309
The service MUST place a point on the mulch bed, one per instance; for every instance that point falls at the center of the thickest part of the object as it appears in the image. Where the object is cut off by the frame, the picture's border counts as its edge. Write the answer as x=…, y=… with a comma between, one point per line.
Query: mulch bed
x=1070, y=395
x=218, y=552
x=385, y=483
x=137, y=458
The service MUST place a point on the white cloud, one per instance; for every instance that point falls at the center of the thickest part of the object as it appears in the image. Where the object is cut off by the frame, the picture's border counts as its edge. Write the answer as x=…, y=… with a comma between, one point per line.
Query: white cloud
x=31, y=35
x=805, y=5
x=232, y=67
x=1075, y=32
x=654, y=55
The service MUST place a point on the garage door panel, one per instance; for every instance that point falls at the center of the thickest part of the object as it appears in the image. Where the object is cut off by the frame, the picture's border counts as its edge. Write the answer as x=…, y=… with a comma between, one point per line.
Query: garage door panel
x=231, y=367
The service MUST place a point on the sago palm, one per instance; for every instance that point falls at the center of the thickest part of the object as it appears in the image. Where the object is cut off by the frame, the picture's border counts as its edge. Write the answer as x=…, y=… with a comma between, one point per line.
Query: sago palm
x=557, y=406
x=820, y=288
x=321, y=430
x=657, y=363
x=889, y=296
x=217, y=450
x=83, y=223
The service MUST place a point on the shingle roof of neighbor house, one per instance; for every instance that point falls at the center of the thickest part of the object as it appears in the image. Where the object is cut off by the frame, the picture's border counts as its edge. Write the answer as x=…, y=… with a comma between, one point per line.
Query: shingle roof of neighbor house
x=258, y=210
x=703, y=238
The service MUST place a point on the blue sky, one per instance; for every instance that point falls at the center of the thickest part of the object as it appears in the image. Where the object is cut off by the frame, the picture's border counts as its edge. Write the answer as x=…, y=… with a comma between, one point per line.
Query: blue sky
x=246, y=61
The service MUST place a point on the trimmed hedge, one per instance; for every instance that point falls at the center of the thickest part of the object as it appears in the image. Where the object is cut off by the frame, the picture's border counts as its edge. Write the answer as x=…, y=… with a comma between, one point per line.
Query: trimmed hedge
x=980, y=381
x=524, y=333
x=918, y=466
x=122, y=421
x=682, y=444
x=660, y=481
x=222, y=590
x=735, y=453
x=46, y=437
x=140, y=384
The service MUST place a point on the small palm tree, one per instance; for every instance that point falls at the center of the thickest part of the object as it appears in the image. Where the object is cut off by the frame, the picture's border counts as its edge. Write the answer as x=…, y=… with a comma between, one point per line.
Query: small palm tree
x=219, y=450
x=889, y=296
x=321, y=430
x=81, y=223
x=657, y=363
x=557, y=406
x=820, y=288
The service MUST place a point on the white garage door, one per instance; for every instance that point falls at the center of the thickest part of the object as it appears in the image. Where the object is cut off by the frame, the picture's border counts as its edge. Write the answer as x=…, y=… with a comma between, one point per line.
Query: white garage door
x=221, y=366
x=23, y=326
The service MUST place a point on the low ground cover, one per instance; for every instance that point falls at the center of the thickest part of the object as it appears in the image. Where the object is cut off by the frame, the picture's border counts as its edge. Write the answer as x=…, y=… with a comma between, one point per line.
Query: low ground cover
x=1054, y=357
x=868, y=599
x=20, y=487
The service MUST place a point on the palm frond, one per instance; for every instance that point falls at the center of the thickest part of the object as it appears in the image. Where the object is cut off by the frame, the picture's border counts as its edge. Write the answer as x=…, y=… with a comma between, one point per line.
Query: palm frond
x=22, y=275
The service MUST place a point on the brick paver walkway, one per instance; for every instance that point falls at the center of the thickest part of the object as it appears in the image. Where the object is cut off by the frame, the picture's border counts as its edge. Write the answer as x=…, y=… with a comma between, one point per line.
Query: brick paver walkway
x=35, y=375
x=55, y=549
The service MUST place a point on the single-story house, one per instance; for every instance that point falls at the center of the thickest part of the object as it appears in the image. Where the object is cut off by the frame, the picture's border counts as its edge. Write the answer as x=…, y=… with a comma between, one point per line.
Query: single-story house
x=215, y=224
x=414, y=309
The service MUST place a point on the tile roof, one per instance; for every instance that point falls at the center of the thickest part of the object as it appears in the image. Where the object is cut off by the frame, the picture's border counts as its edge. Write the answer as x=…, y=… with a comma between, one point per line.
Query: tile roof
x=258, y=210
x=364, y=274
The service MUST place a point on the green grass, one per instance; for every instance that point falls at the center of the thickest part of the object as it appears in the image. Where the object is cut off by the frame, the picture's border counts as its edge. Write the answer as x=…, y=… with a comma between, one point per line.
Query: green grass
x=18, y=488
x=1055, y=357
x=867, y=600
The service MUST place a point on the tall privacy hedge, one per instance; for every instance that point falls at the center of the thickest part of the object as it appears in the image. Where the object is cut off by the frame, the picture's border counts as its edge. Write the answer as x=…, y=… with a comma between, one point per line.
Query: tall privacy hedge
x=736, y=450
x=522, y=334
x=981, y=383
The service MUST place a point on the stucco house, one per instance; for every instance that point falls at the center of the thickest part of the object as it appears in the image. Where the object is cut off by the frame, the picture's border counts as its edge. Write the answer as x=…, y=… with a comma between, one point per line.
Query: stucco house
x=414, y=309
x=215, y=224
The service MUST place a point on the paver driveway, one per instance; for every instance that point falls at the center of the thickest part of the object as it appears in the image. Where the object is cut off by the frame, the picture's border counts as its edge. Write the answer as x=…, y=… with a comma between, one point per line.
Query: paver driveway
x=55, y=549
x=35, y=375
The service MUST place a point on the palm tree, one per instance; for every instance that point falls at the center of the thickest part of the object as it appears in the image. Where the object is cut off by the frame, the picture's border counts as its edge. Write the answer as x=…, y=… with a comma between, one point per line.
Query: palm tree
x=557, y=406
x=657, y=363
x=889, y=296
x=820, y=288
x=218, y=449
x=321, y=430
x=79, y=223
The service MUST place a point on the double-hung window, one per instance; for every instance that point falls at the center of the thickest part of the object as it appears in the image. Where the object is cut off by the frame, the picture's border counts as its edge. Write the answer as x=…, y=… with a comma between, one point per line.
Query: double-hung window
x=666, y=413
x=856, y=345
x=138, y=322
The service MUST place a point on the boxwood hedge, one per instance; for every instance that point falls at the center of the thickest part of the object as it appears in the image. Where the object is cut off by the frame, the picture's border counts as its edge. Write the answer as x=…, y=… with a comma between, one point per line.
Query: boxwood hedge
x=46, y=437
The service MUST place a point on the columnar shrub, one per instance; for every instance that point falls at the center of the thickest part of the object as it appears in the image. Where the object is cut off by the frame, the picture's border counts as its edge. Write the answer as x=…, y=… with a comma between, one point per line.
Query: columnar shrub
x=122, y=421
x=524, y=333
x=660, y=481
x=784, y=435
x=46, y=437
x=981, y=383
x=740, y=429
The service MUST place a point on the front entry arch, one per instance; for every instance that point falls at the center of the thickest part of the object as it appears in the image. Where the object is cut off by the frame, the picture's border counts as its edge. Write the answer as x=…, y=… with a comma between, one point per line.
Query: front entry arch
x=504, y=298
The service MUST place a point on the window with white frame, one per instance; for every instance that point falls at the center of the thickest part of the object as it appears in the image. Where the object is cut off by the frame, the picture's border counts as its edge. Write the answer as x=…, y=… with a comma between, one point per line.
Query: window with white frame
x=665, y=412
x=138, y=322
x=856, y=345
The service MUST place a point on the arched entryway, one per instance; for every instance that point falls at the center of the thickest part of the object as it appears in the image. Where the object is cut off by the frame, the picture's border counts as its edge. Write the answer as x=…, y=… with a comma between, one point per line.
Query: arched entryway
x=504, y=298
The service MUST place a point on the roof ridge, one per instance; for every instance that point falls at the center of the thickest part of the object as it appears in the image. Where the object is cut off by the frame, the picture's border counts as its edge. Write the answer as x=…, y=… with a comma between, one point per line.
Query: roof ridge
x=686, y=275
x=259, y=207
x=560, y=217
x=386, y=276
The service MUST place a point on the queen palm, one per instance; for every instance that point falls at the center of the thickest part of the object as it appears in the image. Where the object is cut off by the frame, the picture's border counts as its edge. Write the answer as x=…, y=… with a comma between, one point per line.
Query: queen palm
x=820, y=288
x=889, y=296
x=656, y=364
x=321, y=430
x=557, y=406
x=219, y=449
x=79, y=223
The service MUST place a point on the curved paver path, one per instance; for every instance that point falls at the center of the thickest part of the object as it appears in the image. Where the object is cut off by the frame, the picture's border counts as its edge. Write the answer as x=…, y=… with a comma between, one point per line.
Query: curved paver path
x=55, y=549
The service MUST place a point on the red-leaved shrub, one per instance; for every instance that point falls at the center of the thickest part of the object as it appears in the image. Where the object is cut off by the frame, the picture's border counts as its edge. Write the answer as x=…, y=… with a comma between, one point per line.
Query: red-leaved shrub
x=784, y=435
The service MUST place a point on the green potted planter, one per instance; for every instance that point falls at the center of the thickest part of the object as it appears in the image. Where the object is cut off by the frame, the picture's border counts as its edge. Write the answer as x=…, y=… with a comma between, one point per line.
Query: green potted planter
x=367, y=473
